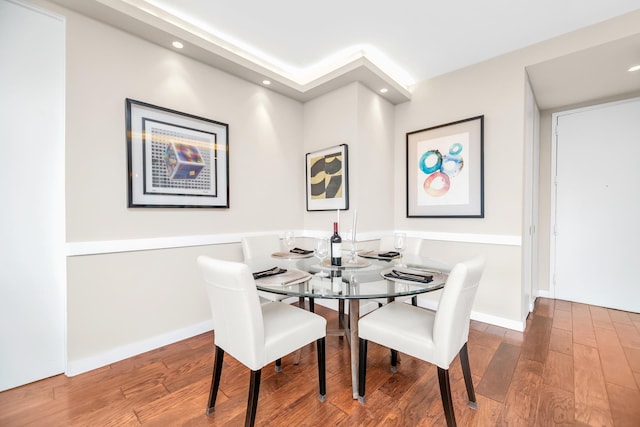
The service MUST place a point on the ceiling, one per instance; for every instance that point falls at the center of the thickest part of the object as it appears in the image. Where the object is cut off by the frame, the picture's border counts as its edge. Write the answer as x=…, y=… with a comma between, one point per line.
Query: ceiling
x=592, y=74
x=308, y=49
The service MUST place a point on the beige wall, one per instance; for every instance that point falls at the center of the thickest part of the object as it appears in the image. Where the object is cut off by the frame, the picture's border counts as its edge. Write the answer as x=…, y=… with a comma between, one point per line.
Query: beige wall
x=330, y=120
x=105, y=66
x=494, y=89
x=361, y=119
x=121, y=303
x=126, y=299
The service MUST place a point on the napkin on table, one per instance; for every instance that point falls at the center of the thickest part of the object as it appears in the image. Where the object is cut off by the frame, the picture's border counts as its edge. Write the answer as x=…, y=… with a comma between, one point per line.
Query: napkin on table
x=270, y=272
x=413, y=277
x=300, y=251
x=390, y=254
x=289, y=277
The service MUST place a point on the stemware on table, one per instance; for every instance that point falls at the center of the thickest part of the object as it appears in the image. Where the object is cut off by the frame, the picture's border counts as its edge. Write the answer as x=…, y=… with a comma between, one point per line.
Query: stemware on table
x=321, y=252
x=289, y=240
x=399, y=243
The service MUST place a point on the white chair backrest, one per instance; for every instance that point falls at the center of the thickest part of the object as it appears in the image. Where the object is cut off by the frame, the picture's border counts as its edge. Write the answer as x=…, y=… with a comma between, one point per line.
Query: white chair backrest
x=260, y=246
x=412, y=245
x=451, y=324
x=235, y=308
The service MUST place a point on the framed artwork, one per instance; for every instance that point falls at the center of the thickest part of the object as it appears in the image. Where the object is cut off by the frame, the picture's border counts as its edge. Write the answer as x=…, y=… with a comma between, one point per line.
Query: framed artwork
x=328, y=179
x=445, y=170
x=176, y=159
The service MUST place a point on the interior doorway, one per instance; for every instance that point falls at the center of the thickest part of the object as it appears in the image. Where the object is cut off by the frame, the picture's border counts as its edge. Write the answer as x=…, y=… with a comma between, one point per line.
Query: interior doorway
x=596, y=224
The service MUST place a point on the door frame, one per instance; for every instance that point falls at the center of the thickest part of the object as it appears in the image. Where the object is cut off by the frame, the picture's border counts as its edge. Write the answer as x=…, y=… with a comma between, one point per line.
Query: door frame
x=530, y=201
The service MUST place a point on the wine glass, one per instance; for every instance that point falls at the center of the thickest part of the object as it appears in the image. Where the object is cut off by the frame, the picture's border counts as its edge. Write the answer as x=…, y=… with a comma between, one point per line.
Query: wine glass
x=289, y=240
x=321, y=252
x=351, y=237
x=399, y=242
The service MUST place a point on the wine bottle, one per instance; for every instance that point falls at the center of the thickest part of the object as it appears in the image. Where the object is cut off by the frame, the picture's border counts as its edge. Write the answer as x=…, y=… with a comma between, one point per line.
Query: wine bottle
x=336, y=246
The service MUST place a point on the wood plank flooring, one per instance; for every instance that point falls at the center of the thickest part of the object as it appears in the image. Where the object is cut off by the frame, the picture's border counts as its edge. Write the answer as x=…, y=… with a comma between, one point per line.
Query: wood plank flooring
x=574, y=365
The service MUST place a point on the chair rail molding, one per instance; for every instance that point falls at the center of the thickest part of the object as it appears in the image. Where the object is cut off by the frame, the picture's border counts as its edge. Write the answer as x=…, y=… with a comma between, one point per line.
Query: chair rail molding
x=98, y=247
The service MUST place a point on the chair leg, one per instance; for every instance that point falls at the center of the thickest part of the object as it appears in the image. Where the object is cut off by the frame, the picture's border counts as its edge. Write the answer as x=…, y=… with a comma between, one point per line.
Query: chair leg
x=414, y=301
x=278, y=365
x=322, y=371
x=341, y=316
x=394, y=360
x=302, y=304
x=445, y=393
x=362, y=371
x=215, y=379
x=252, y=404
x=466, y=372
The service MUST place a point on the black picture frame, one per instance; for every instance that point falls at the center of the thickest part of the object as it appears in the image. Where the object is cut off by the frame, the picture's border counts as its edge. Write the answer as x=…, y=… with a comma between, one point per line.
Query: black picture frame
x=327, y=181
x=445, y=170
x=175, y=159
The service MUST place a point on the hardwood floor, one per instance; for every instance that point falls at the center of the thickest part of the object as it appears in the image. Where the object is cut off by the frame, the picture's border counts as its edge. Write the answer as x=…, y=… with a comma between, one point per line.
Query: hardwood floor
x=574, y=365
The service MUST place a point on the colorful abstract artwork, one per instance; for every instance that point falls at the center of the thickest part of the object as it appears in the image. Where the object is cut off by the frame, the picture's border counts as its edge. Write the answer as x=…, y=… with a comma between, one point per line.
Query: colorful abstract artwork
x=442, y=178
x=183, y=161
x=444, y=170
x=327, y=179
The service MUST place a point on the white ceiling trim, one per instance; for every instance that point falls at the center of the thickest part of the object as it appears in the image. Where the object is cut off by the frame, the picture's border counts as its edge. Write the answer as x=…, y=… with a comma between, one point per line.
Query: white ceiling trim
x=158, y=26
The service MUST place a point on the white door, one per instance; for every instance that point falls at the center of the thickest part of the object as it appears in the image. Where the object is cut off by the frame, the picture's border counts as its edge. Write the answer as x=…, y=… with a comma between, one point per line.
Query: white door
x=32, y=227
x=597, y=229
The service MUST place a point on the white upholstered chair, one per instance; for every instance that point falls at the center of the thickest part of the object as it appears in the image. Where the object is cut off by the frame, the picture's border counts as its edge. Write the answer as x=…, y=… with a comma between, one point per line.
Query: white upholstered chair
x=254, y=334
x=261, y=247
x=435, y=337
x=258, y=247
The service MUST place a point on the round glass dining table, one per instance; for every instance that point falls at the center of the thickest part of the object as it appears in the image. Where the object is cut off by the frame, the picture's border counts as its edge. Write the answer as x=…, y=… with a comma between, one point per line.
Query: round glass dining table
x=357, y=279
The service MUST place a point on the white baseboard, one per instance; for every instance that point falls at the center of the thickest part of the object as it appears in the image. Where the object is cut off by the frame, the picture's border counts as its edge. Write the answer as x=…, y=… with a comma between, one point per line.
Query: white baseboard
x=498, y=321
x=481, y=317
x=369, y=305
x=84, y=365
x=77, y=367
x=544, y=294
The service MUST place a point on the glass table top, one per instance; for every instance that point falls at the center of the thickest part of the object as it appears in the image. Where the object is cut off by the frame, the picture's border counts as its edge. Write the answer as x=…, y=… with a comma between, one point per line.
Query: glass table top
x=361, y=278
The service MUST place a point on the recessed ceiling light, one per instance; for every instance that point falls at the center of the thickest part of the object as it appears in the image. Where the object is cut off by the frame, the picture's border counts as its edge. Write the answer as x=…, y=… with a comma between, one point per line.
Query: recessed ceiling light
x=634, y=68
x=177, y=45
x=384, y=90
x=266, y=82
